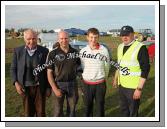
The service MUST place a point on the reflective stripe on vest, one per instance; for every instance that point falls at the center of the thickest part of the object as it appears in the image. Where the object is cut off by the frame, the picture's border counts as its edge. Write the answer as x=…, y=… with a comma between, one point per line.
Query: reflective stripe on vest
x=129, y=60
x=131, y=73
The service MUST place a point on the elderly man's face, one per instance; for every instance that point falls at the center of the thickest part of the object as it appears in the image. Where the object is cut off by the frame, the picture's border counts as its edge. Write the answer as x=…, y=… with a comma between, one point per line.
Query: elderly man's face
x=30, y=39
x=63, y=39
x=127, y=39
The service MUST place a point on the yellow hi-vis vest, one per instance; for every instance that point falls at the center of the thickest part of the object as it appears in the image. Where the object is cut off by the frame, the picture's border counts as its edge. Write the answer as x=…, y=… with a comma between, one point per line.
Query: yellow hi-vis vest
x=129, y=60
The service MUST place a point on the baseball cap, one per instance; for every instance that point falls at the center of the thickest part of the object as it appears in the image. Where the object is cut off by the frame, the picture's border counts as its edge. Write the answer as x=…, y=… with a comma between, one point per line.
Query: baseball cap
x=126, y=30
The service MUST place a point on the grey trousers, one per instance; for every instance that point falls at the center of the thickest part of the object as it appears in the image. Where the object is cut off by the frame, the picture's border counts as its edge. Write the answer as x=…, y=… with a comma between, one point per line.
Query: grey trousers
x=70, y=92
x=129, y=107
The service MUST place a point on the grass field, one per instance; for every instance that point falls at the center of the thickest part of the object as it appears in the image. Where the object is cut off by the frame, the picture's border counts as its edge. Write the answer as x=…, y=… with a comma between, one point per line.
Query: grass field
x=13, y=102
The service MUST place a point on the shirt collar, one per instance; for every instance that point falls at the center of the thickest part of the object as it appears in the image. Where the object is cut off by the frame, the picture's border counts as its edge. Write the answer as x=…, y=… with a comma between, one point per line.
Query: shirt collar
x=31, y=51
x=97, y=47
x=27, y=48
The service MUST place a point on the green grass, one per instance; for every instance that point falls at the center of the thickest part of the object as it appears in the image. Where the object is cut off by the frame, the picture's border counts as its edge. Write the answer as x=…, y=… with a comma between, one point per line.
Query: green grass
x=13, y=102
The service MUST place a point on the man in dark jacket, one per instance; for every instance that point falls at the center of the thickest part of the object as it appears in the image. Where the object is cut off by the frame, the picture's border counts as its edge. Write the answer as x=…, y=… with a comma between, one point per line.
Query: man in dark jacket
x=30, y=84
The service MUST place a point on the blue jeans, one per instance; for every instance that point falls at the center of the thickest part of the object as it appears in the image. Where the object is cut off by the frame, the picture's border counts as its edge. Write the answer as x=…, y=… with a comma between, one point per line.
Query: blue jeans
x=70, y=92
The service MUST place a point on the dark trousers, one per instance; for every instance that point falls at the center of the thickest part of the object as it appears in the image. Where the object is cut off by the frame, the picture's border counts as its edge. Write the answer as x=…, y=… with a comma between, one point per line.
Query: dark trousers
x=129, y=107
x=71, y=94
x=96, y=92
x=34, y=102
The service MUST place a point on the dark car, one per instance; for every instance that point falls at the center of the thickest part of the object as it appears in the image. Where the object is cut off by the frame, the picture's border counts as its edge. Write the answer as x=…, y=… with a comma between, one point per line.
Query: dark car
x=81, y=44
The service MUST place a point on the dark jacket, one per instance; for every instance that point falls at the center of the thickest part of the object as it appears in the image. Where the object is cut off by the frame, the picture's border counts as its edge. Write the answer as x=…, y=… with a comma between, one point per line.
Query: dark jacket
x=18, y=66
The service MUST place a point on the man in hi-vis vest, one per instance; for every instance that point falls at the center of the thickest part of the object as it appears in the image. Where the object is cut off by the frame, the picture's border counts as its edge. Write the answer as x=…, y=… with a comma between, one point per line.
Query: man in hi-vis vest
x=132, y=73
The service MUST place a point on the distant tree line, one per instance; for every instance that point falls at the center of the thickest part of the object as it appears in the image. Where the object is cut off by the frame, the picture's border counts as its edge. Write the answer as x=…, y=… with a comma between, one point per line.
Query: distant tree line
x=12, y=32
x=47, y=31
x=21, y=30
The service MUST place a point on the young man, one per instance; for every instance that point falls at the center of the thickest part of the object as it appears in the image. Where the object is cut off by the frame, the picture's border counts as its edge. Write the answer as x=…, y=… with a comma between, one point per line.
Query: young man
x=32, y=88
x=133, y=55
x=95, y=63
x=62, y=74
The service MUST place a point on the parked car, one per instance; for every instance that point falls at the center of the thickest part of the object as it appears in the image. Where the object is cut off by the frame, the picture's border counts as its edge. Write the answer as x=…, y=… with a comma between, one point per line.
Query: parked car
x=47, y=40
x=103, y=33
x=81, y=44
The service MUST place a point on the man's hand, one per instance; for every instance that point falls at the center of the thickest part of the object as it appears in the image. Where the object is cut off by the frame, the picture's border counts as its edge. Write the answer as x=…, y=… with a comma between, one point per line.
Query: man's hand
x=115, y=83
x=137, y=94
x=58, y=92
x=52, y=83
x=115, y=79
x=48, y=92
x=19, y=89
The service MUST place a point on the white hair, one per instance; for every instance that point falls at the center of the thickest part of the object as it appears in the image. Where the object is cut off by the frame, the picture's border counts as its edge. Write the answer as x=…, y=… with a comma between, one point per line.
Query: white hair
x=30, y=31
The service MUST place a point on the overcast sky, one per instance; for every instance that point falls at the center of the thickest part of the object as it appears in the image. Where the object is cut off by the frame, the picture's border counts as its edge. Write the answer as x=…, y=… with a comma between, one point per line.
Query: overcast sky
x=103, y=17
